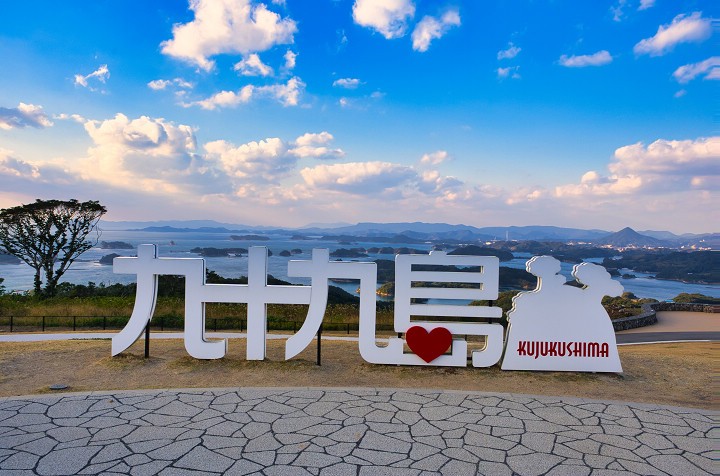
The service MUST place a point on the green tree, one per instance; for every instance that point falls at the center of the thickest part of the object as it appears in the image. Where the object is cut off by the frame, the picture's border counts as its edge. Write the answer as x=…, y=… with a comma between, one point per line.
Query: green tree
x=49, y=235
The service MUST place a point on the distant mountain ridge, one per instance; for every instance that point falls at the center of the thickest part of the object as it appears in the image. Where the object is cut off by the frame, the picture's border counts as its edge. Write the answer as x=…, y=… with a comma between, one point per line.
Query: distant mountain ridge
x=629, y=237
x=432, y=231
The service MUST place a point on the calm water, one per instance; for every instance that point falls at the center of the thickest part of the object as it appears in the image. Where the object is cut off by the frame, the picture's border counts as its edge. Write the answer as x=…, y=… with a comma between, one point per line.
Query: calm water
x=19, y=277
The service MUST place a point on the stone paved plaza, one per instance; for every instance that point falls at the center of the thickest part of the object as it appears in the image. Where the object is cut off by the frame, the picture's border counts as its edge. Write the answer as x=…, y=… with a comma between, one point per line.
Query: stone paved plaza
x=349, y=432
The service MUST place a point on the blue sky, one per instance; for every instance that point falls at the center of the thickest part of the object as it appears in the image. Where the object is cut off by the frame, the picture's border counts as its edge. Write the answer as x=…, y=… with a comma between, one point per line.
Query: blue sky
x=583, y=114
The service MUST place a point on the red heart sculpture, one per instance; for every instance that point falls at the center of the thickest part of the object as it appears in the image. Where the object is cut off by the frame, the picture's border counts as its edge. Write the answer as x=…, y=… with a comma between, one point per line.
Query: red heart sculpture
x=428, y=346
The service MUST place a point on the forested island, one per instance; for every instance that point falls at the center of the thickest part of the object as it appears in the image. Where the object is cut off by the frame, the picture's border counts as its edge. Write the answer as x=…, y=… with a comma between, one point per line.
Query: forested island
x=690, y=267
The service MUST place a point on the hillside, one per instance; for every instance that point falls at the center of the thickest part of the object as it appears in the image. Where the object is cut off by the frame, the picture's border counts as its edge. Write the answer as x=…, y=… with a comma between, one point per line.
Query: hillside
x=629, y=237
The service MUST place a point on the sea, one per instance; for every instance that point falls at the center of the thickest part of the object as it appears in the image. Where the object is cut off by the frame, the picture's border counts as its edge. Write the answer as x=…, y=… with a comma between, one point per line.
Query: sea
x=19, y=277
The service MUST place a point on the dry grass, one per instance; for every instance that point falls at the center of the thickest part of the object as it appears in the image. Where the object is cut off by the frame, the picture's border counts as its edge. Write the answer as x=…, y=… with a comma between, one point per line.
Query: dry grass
x=674, y=374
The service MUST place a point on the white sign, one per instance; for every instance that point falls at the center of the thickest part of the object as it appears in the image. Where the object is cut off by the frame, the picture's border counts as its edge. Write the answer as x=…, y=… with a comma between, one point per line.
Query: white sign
x=558, y=327
x=432, y=338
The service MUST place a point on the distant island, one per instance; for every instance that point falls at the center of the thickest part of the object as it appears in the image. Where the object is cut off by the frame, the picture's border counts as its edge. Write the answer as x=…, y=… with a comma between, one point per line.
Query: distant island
x=690, y=267
x=9, y=259
x=116, y=245
x=249, y=238
x=215, y=252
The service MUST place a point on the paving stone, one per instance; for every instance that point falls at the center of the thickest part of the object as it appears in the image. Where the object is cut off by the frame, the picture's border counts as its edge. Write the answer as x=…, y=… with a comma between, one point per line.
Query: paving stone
x=618, y=453
x=316, y=460
x=387, y=471
x=352, y=432
x=321, y=430
x=27, y=419
x=291, y=425
x=112, y=433
x=706, y=464
x=540, y=442
x=19, y=460
x=150, y=433
x=694, y=445
x=97, y=468
x=569, y=470
x=640, y=467
x=485, y=468
x=39, y=447
x=243, y=467
x=557, y=415
x=349, y=434
x=67, y=461
x=135, y=460
x=202, y=459
x=440, y=413
x=174, y=450
x=533, y=464
x=340, y=469
x=487, y=454
x=618, y=441
x=487, y=441
x=69, y=409
x=376, y=457
x=675, y=464
x=373, y=440
x=172, y=471
x=597, y=461
x=264, y=458
x=72, y=444
x=285, y=459
x=265, y=442
x=112, y=452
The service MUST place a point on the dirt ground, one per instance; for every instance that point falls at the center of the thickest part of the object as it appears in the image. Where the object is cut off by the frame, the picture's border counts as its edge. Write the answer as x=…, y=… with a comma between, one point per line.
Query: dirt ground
x=682, y=374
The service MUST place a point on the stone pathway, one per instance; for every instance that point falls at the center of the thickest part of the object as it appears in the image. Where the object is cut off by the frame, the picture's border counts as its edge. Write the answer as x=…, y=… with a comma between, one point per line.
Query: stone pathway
x=289, y=432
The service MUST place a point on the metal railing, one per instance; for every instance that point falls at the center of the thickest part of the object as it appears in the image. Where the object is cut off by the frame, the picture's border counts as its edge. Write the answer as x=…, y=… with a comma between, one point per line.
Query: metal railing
x=15, y=323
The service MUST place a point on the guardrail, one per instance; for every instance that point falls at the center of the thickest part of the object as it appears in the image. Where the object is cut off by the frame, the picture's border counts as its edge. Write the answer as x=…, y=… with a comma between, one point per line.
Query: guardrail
x=161, y=323
x=42, y=323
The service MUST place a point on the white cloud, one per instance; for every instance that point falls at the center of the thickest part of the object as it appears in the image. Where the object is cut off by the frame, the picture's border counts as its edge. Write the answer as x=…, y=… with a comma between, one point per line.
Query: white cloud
x=580, y=61
x=683, y=29
x=101, y=74
x=347, y=83
x=13, y=167
x=432, y=182
x=358, y=177
x=290, y=58
x=645, y=4
x=509, y=72
x=287, y=94
x=662, y=167
x=388, y=17
x=430, y=28
x=268, y=160
x=435, y=158
x=74, y=117
x=315, y=145
x=680, y=93
x=227, y=27
x=145, y=153
x=24, y=115
x=252, y=65
x=710, y=69
x=510, y=52
x=617, y=10
x=160, y=84
x=225, y=99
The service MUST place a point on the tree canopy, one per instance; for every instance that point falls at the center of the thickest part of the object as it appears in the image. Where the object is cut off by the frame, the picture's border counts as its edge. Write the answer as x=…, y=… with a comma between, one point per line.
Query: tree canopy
x=49, y=235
